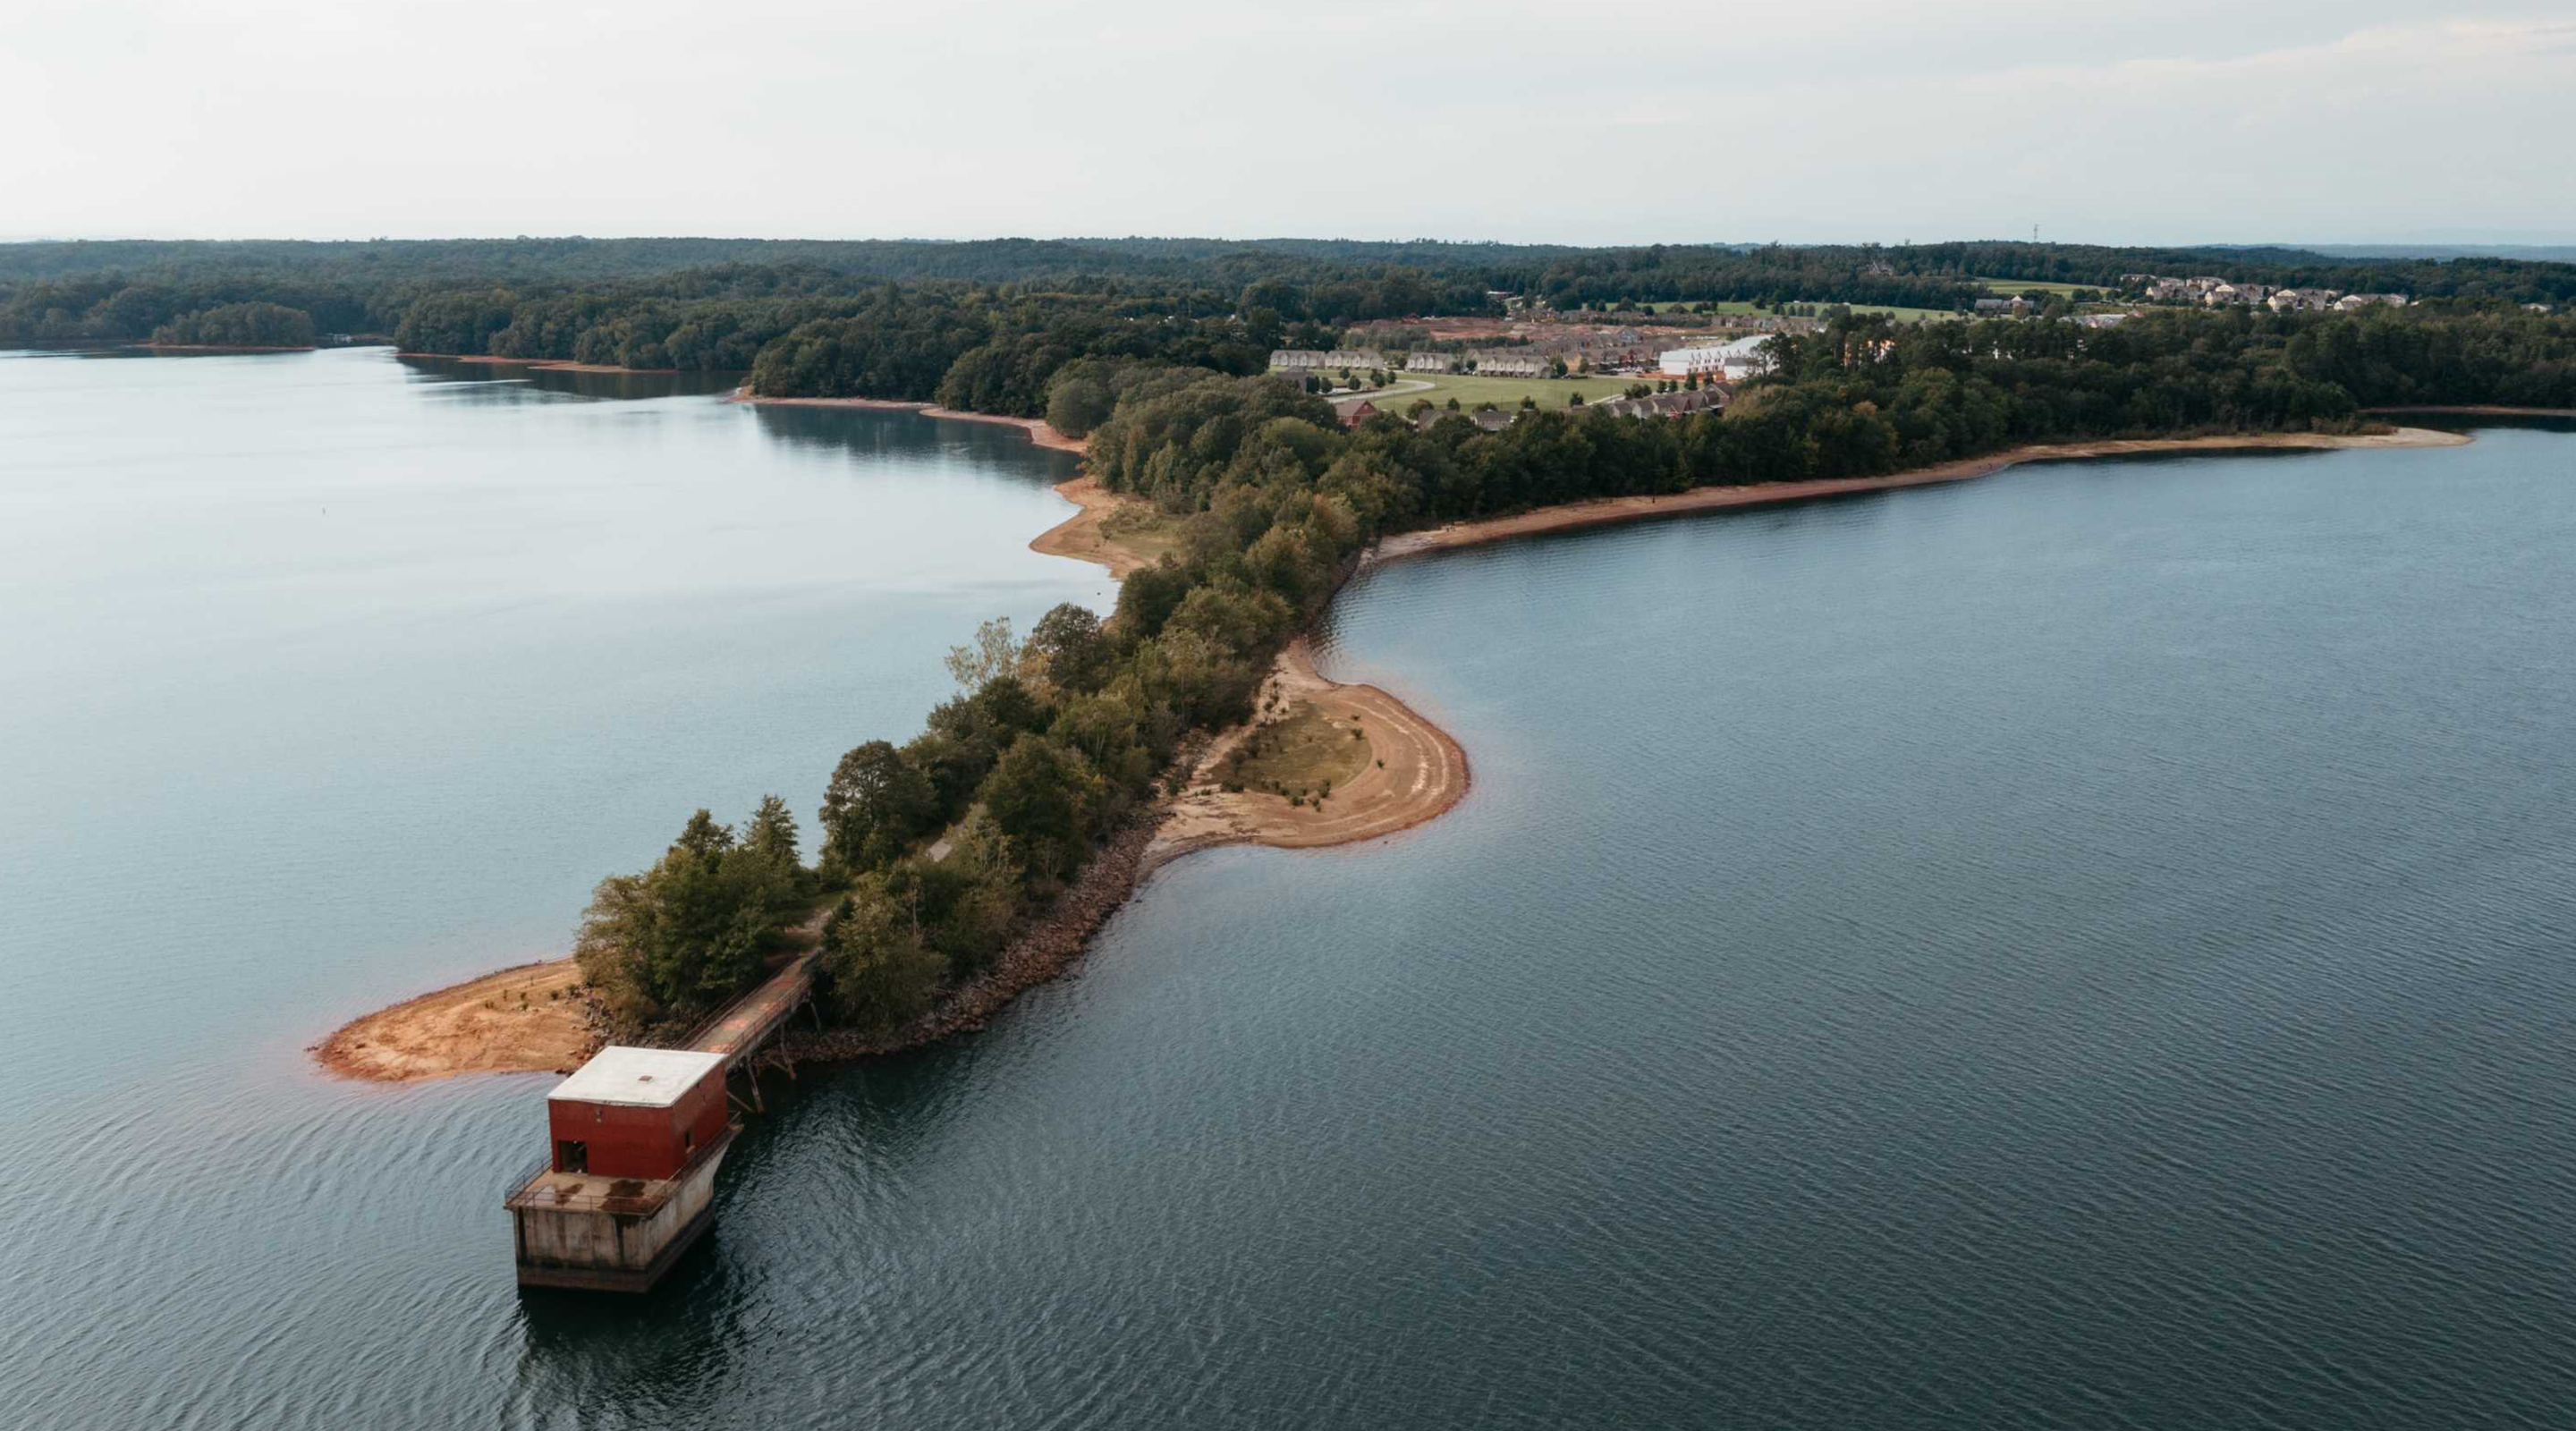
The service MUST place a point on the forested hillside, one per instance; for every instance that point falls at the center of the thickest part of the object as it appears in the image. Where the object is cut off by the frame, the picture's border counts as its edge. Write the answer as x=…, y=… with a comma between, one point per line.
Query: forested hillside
x=987, y=323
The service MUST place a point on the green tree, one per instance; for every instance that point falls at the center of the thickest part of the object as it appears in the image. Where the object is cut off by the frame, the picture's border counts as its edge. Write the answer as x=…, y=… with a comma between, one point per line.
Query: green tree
x=771, y=832
x=882, y=972
x=1039, y=794
x=994, y=652
x=1069, y=648
x=687, y=933
x=877, y=803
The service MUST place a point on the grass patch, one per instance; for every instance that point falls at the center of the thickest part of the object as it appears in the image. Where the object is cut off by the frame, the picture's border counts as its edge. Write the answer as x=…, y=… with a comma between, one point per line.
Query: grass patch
x=1141, y=529
x=2015, y=287
x=1470, y=390
x=1303, y=755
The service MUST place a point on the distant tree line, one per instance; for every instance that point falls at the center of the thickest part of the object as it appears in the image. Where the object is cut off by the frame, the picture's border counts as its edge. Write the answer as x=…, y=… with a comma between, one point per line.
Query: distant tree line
x=987, y=324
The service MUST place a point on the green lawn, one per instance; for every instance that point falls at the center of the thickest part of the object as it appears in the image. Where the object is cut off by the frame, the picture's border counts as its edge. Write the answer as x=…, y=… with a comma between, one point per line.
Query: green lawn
x=2015, y=287
x=1305, y=753
x=1149, y=533
x=1470, y=390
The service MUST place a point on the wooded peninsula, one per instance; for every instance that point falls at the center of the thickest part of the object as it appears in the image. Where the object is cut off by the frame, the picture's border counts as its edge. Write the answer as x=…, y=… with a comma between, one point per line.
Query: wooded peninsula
x=936, y=852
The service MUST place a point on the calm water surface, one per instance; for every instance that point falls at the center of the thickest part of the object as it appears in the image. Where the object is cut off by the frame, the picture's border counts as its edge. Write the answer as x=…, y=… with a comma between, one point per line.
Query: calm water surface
x=2088, y=948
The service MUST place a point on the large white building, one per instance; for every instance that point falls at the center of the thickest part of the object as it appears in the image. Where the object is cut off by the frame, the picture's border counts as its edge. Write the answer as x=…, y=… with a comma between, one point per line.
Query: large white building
x=1731, y=361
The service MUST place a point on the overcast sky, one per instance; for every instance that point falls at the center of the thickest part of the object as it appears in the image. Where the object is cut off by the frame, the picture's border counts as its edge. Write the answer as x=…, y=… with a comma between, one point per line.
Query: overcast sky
x=2117, y=120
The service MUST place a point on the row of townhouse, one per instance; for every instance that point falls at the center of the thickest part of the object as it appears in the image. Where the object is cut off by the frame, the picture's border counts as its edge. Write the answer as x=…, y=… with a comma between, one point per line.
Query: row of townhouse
x=1512, y=363
x=1314, y=360
x=2319, y=299
x=1666, y=405
x=1487, y=419
x=1731, y=361
x=2220, y=293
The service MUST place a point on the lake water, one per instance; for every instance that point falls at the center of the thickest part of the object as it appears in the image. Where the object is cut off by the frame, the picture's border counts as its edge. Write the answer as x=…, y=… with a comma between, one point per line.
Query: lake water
x=2086, y=948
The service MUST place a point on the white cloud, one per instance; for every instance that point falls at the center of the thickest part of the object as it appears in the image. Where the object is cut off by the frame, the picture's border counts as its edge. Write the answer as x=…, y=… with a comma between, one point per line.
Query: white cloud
x=1458, y=118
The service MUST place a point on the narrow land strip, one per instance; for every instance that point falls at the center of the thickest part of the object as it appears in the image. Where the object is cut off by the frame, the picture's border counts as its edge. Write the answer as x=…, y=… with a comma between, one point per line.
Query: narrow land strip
x=2476, y=410
x=505, y=1023
x=1607, y=510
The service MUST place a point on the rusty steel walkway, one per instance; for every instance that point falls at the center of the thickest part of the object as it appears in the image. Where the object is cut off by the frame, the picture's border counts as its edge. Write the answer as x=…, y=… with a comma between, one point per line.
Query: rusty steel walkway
x=747, y=1030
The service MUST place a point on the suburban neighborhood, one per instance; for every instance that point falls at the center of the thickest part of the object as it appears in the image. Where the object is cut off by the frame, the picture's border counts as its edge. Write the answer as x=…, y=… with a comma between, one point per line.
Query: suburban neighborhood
x=1689, y=358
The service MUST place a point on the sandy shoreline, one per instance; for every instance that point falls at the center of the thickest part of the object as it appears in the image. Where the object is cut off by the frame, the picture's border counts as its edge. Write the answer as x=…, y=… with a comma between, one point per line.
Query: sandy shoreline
x=1080, y=536
x=1417, y=772
x=1605, y=511
x=525, y=1019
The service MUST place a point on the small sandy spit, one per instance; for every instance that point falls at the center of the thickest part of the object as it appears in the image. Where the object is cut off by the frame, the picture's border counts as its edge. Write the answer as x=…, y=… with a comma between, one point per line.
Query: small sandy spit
x=526, y=1019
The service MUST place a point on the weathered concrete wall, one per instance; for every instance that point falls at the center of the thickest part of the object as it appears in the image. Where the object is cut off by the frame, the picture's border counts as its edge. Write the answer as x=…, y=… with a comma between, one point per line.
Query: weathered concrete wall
x=610, y=1241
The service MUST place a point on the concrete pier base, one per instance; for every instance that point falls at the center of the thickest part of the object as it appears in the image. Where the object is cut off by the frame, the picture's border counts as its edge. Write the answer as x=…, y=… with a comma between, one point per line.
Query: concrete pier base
x=603, y=1234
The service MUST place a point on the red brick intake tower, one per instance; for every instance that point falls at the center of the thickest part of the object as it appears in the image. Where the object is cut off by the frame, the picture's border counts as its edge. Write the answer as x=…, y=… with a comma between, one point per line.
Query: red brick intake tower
x=628, y=1182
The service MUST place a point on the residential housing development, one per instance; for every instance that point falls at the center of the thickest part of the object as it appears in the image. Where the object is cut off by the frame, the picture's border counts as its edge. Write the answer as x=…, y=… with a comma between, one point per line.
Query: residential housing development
x=2213, y=292
x=1733, y=361
x=1312, y=360
x=1674, y=404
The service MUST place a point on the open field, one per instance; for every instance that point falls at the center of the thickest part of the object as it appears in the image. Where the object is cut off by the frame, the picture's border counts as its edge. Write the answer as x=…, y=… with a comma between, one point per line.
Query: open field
x=2015, y=287
x=1470, y=390
x=1301, y=755
x=1150, y=534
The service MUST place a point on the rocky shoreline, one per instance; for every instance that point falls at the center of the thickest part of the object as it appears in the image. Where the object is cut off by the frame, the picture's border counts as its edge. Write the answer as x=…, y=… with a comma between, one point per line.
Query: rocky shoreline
x=1040, y=953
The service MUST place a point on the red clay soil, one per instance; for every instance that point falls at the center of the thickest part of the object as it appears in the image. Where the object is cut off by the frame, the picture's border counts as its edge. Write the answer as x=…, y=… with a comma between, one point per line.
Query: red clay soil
x=522, y=1020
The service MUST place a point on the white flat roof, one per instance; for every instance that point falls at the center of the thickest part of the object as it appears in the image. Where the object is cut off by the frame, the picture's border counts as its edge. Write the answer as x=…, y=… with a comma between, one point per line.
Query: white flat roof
x=1743, y=347
x=640, y=1077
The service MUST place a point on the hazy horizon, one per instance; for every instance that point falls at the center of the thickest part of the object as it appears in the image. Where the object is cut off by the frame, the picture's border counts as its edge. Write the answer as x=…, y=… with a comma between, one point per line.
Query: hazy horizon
x=2444, y=241
x=2344, y=123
